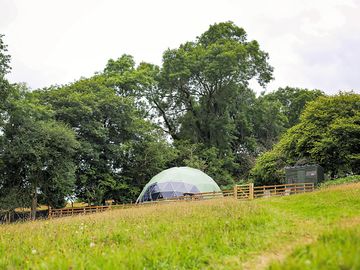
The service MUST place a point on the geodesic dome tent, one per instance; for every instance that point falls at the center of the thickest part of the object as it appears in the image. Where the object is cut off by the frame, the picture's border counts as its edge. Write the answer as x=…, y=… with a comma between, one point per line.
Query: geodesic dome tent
x=177, y=181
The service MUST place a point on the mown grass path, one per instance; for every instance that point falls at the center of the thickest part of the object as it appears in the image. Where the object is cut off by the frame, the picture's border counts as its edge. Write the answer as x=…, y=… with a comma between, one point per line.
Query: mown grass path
x=216, y=234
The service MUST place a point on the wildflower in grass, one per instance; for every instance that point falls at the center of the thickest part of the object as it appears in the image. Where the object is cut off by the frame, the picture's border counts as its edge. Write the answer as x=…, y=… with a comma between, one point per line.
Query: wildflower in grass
x=33, y=251
x=92, y=244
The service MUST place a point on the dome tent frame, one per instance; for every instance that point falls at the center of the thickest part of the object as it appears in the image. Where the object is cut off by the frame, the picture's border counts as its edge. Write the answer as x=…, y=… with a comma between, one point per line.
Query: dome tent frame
x=175, y=182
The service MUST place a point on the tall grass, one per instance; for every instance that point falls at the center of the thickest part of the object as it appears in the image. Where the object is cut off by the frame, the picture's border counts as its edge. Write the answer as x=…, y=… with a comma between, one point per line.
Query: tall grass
x=214, y=234
x=340, y=181
x=339, y=249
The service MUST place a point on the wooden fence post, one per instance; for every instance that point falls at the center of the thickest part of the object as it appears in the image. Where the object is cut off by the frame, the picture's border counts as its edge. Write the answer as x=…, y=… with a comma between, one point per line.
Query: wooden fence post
x=235, y=191
x=251, y=191
x=8, y=217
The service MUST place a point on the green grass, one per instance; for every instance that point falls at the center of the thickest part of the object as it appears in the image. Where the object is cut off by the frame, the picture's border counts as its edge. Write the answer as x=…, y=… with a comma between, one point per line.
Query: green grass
x=214, y=234
x=341, y=181
x=339, y=249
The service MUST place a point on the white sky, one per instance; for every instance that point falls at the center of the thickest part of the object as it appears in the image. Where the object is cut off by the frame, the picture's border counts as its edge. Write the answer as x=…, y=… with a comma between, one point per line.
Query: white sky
x=312, y=43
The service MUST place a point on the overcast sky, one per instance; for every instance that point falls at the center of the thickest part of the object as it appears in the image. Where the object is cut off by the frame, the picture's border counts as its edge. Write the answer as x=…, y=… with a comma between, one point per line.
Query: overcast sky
x=311, y=43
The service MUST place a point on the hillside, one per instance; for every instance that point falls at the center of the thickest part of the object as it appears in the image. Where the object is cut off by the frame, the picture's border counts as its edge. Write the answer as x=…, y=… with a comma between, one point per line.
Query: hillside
x=307, y=231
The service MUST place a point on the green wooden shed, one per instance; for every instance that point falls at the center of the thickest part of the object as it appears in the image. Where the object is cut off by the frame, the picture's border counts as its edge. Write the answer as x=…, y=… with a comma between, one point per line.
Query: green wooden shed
x=304, y=174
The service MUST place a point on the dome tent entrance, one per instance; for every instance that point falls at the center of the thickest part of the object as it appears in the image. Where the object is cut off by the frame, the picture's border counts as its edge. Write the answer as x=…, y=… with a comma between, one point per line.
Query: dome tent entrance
x=177, y=181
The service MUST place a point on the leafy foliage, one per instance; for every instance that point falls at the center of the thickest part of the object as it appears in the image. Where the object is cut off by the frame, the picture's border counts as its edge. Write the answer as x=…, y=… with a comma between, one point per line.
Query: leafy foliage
x=119, y=150
x=4, y=84
x=4, y=58
x=206, y=159
x=293, y=102
x=36, y=156
x=201, y=94
x=328, y=134
x=202, y=83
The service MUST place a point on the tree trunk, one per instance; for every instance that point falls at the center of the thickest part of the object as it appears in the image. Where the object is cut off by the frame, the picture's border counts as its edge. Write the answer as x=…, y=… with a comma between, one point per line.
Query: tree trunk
x=33, y=203
x=8, y=217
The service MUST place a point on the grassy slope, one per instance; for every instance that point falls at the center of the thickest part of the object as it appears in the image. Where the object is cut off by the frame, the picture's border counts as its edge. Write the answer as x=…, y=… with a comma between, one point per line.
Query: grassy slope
x=338, y=249
x=340, y=181
x=217, y=234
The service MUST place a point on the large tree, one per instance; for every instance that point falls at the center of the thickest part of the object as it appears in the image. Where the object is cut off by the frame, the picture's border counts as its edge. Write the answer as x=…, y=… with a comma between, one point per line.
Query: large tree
x=36, y=157
x=203, y=84
x=200, y=94
x=35, y=151
x=119, y=149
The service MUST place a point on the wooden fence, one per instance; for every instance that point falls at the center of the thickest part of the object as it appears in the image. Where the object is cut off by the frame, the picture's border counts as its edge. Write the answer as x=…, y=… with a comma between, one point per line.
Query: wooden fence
x=282, y=190
x=63, y=212
x=196, y=196
x=240, y=192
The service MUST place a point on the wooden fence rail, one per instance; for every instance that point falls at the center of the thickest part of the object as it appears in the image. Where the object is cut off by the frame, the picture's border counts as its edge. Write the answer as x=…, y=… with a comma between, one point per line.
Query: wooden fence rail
x=282, y=190
x=63, y=212
x=240, y=192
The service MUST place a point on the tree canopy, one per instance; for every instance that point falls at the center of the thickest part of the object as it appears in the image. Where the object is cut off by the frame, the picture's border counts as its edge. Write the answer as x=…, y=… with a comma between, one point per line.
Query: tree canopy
x=293, y=101
x=36, y=156
x=202, y=84
x=115, y=140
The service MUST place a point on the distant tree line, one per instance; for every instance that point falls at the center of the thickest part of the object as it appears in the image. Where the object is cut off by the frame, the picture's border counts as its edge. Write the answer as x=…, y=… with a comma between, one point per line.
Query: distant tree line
x=105, y=136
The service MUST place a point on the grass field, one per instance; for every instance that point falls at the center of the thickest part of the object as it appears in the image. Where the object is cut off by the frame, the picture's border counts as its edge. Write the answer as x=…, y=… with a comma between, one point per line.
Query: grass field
x=319, y=230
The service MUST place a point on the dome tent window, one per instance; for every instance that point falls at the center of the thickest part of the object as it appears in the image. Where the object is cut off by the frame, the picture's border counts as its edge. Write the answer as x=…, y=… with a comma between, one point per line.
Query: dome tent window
x=175, y=182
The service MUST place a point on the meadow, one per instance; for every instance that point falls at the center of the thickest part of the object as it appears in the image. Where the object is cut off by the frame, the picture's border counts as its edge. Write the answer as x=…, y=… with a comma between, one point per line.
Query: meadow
x=319, y=230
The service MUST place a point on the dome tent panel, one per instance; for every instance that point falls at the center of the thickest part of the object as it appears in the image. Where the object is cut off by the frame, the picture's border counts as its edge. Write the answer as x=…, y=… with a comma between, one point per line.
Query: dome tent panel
x=193, y=189
x=179, y=186
x=175, y=182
